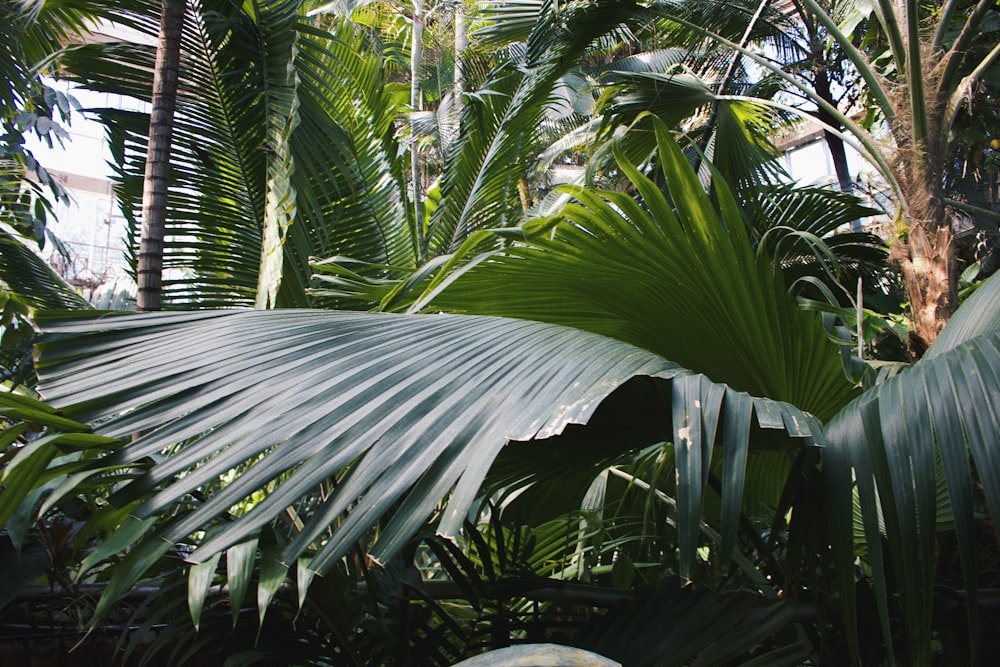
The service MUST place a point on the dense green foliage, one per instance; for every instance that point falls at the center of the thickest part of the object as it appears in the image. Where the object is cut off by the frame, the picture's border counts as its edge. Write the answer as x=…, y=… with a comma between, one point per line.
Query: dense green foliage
x=642, y=390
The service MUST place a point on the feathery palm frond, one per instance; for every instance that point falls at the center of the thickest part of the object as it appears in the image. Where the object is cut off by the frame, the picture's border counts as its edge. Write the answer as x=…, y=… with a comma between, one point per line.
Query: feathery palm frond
x=341, y=169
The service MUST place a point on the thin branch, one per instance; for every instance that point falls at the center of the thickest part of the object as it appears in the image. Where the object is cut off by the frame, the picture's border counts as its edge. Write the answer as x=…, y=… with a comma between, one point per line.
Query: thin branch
x=706, y=530
x=944, y=18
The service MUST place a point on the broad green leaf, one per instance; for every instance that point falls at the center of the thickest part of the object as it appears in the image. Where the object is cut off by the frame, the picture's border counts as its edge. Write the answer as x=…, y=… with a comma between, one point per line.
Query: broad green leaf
x=949, y=404
x=696, y=292
x=128, y=572
x=273, y=574
x=30, y=465
x=27, y=409
x=240, y=560
x=303, y=578
x=124, y=536
x=979, y=314
x=401, y=434
x=200, y=577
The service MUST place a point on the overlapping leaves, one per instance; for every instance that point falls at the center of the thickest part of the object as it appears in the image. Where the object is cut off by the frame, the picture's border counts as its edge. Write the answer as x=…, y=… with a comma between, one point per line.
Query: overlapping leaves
x=707, y=301
x=393, y=413
x=887, y=443
x=328, y=166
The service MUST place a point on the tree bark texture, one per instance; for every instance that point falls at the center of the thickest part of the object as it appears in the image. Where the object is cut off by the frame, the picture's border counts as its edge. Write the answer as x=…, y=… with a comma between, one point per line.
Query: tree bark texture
x=149, y=273
x=927, y=256
x=929, y=272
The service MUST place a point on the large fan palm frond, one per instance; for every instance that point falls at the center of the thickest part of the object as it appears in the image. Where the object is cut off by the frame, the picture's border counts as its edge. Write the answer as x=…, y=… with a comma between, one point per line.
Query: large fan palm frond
x=395, y=434
x=391, y=413
x=710, y=301
x=556, y=276
x=804, y=230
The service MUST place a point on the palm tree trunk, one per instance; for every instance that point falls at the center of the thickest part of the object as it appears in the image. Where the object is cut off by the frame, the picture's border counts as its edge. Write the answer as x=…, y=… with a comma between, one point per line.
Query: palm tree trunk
x=416, y=62
x=929, y=266
x=927, y=258
x=149, y=273
x=931, y=285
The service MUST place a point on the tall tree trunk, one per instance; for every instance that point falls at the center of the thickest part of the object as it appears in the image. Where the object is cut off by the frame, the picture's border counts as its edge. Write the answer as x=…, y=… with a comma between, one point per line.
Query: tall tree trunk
x=927, y=257
x=149, y=273
x=416, y=63
x=461, y=43
x=834, y=144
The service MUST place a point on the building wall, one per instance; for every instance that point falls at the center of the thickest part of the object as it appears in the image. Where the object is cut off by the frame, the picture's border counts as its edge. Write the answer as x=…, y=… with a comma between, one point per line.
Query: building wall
x=90, y=226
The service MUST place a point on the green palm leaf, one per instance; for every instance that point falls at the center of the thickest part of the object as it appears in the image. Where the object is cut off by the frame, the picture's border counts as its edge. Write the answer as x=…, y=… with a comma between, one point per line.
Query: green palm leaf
x=500, y=124
x=946, y=406
x=341, y=175
x=34, y=281
x=407, y=433
x=404, y=410
x=801, y=229
x=707, y=300
x=397, y=435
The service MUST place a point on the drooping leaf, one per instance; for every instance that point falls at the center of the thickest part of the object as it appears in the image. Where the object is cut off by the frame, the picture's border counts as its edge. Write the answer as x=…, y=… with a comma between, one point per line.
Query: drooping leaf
x=947, y=406
x=28, y=276
x=240, y=559
x=403, y=409
x=200, y=578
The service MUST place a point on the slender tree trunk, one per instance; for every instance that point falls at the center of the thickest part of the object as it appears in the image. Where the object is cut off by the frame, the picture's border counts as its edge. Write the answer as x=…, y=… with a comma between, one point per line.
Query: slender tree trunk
x=416, y=62
x=461, y=43
x=149, y=273
x=834, y=144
